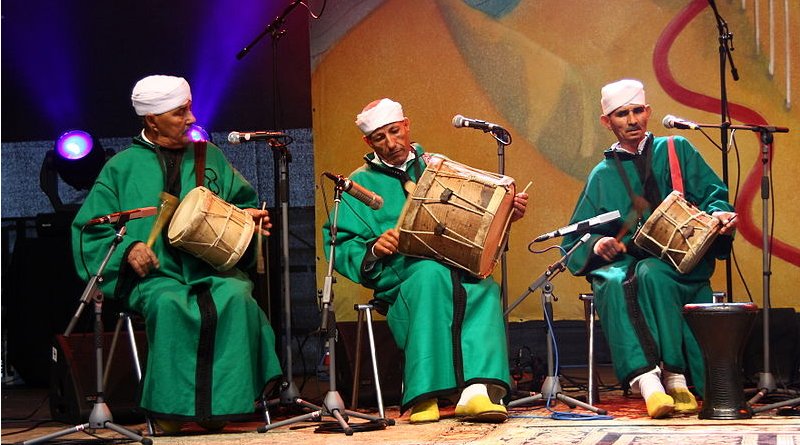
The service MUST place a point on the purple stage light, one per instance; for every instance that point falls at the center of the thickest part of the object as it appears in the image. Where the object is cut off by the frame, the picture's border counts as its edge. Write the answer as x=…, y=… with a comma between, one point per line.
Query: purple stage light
x=197, y=133
x=74, y=144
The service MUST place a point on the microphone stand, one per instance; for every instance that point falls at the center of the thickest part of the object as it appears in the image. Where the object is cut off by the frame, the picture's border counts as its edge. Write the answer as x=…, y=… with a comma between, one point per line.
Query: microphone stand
x=273, y=29
x=100, y=416
x=725, y=55
x=766, y=381
x=289, y=394
x=503, y=139
x=551, y=388
x=333, y=405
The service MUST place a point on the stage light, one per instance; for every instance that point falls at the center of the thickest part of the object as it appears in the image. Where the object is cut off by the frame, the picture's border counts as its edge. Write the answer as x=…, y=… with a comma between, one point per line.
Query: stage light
x=77, y=159
x=198, y=134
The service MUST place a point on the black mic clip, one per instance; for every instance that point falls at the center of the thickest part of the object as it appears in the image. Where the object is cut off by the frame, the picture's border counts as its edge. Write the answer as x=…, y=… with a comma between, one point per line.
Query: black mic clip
x=339, y=180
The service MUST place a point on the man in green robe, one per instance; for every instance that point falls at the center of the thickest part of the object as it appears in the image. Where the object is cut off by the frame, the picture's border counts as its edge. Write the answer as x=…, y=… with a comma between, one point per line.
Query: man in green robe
x=448, y=324
x=211, y=349
x=639, y=297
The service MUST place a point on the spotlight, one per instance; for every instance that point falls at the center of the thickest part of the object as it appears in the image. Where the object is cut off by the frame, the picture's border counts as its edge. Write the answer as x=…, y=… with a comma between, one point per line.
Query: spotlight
x=198, y=134
x=77, y=159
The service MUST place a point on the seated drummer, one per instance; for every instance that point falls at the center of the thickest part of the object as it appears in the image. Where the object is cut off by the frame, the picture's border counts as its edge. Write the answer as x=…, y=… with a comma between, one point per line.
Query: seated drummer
x=640, y=298
x=211, y=349
x=448, y=323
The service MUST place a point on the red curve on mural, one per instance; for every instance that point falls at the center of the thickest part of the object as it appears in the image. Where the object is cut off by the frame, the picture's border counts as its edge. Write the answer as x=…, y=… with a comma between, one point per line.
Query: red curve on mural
x=747, y=227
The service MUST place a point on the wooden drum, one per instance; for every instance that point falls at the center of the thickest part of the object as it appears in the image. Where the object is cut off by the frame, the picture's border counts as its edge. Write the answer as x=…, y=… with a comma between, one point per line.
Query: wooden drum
x=211, y=229
x=678, y=233
x=458, y=215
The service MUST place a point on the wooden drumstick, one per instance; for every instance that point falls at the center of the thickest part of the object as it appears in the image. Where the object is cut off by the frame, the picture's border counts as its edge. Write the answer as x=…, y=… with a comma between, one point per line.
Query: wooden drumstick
x=165, y=210
x=259, y=249
x=526, y=187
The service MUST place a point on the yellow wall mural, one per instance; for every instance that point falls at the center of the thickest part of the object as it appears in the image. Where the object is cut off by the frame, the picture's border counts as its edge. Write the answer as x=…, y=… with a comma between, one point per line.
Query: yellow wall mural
x=536, y=68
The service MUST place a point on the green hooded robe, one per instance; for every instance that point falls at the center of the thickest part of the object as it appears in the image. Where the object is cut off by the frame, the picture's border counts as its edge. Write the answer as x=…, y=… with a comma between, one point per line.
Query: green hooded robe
x=448, y=324
x=211, y=349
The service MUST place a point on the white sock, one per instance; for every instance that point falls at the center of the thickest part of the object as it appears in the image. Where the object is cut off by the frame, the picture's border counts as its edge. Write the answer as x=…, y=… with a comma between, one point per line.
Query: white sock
x=471, y=391
x=647, y=383
x=673, y=381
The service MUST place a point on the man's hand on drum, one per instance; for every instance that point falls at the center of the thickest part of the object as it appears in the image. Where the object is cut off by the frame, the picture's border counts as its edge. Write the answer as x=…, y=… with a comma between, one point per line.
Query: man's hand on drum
x=520, y=204
x=729, y=221
x=142, y=259
x=260, y=216
x=608, y=248
x=386, y=244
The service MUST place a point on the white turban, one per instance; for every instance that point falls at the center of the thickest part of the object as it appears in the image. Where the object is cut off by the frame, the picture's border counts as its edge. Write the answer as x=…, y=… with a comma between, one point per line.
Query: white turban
x=159, y=94
x=621, y=93
x=384, y=112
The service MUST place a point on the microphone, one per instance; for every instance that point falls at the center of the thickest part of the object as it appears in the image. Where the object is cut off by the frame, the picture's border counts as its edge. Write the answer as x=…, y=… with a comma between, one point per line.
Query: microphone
x=235, y=137
x=671, y=121
x=581, y=226
x=371, y=199
x=112, y=218
x=460, y=121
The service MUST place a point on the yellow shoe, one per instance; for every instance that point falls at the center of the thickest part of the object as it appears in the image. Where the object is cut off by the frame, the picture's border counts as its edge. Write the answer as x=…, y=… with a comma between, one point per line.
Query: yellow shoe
x=481, y=409
x=426, y=411
x=169, y=426
x=659, y=405
x=685, y=402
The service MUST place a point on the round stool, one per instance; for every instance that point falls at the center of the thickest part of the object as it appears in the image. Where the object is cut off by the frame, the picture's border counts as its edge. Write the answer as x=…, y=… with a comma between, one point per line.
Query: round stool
x=721, y=330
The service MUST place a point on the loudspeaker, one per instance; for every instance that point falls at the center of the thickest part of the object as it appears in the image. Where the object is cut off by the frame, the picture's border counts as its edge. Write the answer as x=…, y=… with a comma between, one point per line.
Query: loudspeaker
x=73, y=382
x=784, y=350
x=390, y=364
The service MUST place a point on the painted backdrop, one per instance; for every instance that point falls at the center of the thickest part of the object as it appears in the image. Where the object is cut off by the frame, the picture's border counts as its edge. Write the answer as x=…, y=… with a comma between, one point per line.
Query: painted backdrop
x=536, y=68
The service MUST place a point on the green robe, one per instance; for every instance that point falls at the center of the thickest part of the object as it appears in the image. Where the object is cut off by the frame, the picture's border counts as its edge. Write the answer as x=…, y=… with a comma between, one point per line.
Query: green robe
x=448, y=324
x=640, y=298
x=211, y=349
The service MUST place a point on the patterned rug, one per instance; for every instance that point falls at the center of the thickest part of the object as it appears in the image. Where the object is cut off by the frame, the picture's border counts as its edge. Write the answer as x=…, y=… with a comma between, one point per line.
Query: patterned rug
x=628, y=424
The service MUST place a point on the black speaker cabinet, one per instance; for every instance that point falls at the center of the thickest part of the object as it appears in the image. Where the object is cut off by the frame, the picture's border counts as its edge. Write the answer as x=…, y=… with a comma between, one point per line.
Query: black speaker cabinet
x=784, y=347
x=390, y=365
x=73, y=382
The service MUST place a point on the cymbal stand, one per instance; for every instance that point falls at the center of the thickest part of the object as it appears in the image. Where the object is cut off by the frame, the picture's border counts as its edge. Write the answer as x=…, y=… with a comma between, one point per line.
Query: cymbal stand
x=551, y=388
x=333, y=404
x=100, y=417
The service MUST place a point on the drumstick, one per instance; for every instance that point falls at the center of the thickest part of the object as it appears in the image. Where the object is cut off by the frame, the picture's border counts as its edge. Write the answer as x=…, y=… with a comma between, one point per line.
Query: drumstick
x=526, y=187
x=259, y=249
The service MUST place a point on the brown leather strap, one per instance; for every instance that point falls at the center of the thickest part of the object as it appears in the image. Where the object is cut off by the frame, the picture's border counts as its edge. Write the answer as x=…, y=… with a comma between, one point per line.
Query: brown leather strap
x=674, y=166
x=199, y=162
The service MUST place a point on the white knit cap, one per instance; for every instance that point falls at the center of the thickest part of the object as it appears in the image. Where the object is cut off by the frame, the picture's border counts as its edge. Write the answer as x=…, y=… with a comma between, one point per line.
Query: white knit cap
x=621, y=93
x=386, y=111
x=159, y=94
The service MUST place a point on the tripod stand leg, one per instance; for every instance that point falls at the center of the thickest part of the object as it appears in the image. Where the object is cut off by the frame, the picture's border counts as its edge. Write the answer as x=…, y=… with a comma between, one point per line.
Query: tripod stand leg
x=574, y=402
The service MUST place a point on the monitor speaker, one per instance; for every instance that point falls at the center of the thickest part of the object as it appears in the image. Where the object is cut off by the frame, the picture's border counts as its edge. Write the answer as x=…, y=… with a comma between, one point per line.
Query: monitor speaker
x=73, y=383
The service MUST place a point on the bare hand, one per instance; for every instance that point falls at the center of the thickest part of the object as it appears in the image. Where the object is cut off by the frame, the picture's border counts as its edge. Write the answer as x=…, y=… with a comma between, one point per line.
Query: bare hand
x=520, y=204
x=142, y=259
x=729, y=221
x=263, y=216
x=387, y=243
x=608, y=248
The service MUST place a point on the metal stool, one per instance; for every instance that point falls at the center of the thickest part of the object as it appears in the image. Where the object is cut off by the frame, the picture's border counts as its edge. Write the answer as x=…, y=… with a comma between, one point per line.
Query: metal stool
x=125, y=319
x=365, y=310
x=589, y=314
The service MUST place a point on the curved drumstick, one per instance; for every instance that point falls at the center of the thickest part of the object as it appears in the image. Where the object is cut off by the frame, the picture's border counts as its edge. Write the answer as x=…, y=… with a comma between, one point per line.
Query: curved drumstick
x=165, y=210
x=260, y=268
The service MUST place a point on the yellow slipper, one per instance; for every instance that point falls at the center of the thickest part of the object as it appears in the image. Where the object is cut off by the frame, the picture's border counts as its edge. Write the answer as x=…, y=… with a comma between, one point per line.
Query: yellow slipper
x=659, y=405
x=426, y=411
x=685, y=402
x=481, y=409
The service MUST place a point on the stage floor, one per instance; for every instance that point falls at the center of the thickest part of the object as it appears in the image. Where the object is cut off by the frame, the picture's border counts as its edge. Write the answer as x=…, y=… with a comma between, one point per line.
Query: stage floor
x=627, y=424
